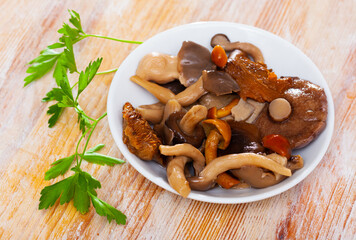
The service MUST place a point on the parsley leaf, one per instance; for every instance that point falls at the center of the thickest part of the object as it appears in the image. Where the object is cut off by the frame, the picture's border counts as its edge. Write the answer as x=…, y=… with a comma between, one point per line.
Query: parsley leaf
x=59, y=167
x=86, y=77
x=50, y=194
x=55, y=110
x=104, y=209
x=41, y=65
x=48, y=57
x=101, y=159
x=96, y=148
x=81, y=197
x=68, y=58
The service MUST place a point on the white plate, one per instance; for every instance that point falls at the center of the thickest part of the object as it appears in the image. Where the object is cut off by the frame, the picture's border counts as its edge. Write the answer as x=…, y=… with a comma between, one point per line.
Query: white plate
x=282, y=56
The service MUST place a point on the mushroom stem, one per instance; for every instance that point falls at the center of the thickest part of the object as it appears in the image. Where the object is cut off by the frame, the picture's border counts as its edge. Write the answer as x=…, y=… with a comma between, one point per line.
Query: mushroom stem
x=187, y=150
x=191, y=93
x=176, y=176
x=161, y=93
x=172, y=106
x=250, y=49
x=233, y=161
x=211, y=145
x=211, y=148
x=152, y=112
x=192, y=118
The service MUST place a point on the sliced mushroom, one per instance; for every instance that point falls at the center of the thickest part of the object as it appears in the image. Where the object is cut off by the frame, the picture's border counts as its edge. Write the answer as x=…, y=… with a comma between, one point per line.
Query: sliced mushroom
x=233, y=161
x=187, y=150
x=152, y=112
x=176, y=176
x=158, y=67
x=192, y=60
x=242, y=111
x=279, y=109
x=258, y=107
x=250, y=49
x=219, y=82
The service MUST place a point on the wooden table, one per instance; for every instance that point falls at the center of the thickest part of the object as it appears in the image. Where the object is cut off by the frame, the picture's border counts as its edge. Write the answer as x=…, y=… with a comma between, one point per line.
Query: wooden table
x=322, y=206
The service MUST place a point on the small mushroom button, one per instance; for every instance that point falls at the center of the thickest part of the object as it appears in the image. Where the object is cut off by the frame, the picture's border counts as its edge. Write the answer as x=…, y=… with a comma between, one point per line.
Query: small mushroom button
x=279, y=109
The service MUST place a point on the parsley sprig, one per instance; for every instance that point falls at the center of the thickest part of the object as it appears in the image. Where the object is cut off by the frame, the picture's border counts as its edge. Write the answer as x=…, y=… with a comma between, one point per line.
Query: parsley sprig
x=80, y=186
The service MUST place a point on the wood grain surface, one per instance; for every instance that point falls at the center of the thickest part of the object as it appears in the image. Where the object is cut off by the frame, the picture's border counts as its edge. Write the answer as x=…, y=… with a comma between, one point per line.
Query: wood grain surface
x=320, y=207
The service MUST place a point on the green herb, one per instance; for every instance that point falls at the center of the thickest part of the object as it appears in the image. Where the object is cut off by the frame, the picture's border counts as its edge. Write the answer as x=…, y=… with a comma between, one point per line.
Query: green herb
x=80, y=186
x=49, y=57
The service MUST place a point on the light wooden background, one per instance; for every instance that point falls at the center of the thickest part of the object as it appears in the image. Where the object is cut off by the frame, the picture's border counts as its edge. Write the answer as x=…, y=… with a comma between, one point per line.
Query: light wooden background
x=322, y=206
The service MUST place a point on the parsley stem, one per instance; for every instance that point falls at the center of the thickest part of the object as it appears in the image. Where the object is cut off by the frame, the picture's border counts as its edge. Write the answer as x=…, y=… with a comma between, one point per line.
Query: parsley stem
x=107, y=71
x=80, y=110
x=76, y=149
x=91, y=132
x=110, y=38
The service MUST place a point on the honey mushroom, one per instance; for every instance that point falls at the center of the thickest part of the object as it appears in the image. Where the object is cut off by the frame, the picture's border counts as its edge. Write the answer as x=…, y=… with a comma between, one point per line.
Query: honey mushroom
x=190, y=95
x=208, y=176
x=152, y=112
x=218, y=134
x=187, y=150
x=250, y=49
x=175, y=169
x=158, y=67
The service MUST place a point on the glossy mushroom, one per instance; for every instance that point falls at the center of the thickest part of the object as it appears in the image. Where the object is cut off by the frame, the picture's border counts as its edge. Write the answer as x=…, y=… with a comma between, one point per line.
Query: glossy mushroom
x=161, y=93
x=192, y=60
x=250, y=49
x=176, y=176
x=187, y=150
x=158, y=67
x=190, y=95
x=163, y=131
x=192, y=118
x=152, y=112
x=222, y=164
x=219, y=82
x=218, y=134
x=193, y=133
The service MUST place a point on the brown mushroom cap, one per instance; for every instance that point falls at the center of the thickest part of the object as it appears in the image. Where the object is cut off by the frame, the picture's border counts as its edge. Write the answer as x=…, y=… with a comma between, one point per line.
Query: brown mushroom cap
x=308, y=117
x=219, y=82
x=192, y=60
x=179, y=135
x=211, y=100
x=245, y=137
